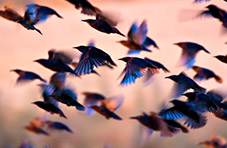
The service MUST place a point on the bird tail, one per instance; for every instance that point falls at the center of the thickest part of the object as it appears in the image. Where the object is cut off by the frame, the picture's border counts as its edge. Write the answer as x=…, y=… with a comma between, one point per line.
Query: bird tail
x=184, y=129
x=218, y=78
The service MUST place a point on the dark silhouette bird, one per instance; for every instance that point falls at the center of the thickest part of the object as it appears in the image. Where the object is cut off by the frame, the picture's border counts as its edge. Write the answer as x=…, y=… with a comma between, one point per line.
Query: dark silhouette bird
x=55, y=63
x=25, y=76
x=58, y=80
x=36, y=126
x=86, y=7
x=103, y=110
x=57, y=126
x=49, y=107
x=135, y=68
x=222, y=58
x=194, y=119
x=156, y=123
x=68, y=97
x=137, y=39
x=214, y=142
x=189, y=52
x=150, y=73
x=102, y=25
x=184, y=83
x=202, y=102
x=203, y=73
x=215, y=12
x=91, y=57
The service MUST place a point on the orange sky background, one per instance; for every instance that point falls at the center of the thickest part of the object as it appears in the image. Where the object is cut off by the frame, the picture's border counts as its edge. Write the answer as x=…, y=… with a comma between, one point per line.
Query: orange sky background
x=20, y=47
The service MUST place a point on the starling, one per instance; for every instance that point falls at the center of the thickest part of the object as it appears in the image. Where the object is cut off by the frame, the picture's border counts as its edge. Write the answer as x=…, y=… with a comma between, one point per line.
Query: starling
x=36, y=126
x=25, y=76
x=183, y=83
x=222, y=58
x=203, y=73
x=214, y=142
x=57, y=126
x=194, y=119
x=91, y=57
x=135, y=68
x=189, y=52
x=102, y=25
x=86, y=7
x=137, y=39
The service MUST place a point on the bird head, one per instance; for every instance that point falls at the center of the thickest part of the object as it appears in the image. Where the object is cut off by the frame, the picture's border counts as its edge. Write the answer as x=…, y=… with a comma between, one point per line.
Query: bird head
x=89, y=21
x=125, y=59
x=211, y=7
x=82, y=48
x=41, y=61
x=18, y=71
x=219, y=57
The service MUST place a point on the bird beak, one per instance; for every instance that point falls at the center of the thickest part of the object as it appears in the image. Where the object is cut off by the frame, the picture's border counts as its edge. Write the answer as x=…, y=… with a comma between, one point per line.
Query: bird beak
x=12, y=70
x=168, y=77
x=122, y=59
x=133, y=118
x=84, y=20
x=35, y=60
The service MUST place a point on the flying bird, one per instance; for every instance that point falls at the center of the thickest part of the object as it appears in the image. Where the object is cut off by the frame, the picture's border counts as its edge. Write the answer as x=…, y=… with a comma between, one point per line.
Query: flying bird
x=222, y=58
x=214, y=142
x=86, y=7
x=102, y=25
x=194, y=119
x=189, y=52
x=135, y=68
x=36, y=126
x=26, y=76
x=57, y=126
x=91, y=57
x=203, y=73
x=183, y=83
x=137, y=39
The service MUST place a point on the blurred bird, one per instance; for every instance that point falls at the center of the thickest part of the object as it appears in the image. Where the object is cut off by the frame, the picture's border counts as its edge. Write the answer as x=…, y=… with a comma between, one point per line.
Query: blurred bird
x=102, y=25
x=104, y=106
x=215, y=12
x=199, y=1
x=26, y=144
x=189, y=52
x=91, y=57
x=222, y=58
x=55, y=63
x=92, y=99
x=58, y=80
x=57, y=126
x=49, y=107
x=26, y=76
x=184, y=83
x=181, y=109
x=203, y=103
x=36, y=126
x=214, y=142
x=135, y=68
x=86, y=7
x=137, y=39
x=150, y=73
x=203, y=73
x=156, y=123
x=68, y=97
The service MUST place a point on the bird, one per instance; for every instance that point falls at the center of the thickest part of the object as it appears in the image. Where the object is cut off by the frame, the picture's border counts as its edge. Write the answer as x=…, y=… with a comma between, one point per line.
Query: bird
x=57, y=126
x=92, y=57
x=36, y=126
x=222, y=58
x=68, y=96
x=215, y=12
x=189, y=52
x=135, y=68
x=102, y=25
x=49, y=107
x=86, y=7
x=156, y=123
x=137, y=39
x=204, y=73
x=199, y=1
x=215, y=141
x=26, y=76
x=202, y=102
x=183, y=83
x=55, y=63
x=150, y=73
x=104, y=106
x=194, y=119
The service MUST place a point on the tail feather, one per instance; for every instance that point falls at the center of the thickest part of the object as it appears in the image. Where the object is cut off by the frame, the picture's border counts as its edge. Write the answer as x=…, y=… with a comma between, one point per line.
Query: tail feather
x=218, y=79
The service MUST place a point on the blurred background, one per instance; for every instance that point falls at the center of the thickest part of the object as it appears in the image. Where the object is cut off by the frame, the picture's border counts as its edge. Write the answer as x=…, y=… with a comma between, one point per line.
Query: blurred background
x=169, y=21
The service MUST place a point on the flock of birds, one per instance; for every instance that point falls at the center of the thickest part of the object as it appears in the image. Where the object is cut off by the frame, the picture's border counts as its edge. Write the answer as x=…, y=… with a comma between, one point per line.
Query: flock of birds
x=193, y=110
